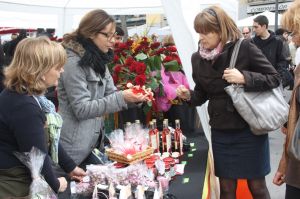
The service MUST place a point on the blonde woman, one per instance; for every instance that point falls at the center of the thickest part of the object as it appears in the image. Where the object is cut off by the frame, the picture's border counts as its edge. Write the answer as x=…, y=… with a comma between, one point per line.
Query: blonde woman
x=36, y=65
x=238, y=153
x=289, y=168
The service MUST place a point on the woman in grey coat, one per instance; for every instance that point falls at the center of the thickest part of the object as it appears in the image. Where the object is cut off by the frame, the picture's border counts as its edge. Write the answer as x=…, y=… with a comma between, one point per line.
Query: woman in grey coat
x=86, y=90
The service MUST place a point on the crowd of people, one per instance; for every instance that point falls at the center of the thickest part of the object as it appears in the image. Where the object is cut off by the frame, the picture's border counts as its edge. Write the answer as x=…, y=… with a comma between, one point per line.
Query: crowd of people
x=77, y=69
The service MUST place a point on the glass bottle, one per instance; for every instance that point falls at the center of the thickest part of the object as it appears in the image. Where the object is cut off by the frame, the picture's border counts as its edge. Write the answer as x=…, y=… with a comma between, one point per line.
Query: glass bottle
x=178, y=143
x=166, y=138
x=157, y=133
x=153, y=138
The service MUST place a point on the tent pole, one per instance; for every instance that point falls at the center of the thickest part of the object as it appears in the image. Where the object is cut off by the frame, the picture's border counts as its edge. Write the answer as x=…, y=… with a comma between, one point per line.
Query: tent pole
x=276, y=15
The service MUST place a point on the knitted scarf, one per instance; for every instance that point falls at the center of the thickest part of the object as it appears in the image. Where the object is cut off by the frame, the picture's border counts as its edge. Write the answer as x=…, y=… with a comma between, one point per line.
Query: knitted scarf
x=210, y=54
x=93, y=56
x=54, y=124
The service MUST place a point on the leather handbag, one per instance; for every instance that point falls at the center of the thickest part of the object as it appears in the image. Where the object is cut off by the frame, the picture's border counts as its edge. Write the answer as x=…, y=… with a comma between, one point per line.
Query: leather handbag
x=264, y=111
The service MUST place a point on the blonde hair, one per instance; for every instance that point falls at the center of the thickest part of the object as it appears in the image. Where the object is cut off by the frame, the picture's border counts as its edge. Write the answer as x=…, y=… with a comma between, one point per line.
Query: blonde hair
x=90, y=25
x=168, y=40
x=290, y=19
x=215, y=19
x=33, y=58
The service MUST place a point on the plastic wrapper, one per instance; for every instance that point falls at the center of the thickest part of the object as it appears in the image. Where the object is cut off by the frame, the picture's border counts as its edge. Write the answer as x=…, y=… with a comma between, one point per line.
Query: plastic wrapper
x=135, y=139
x=34, y=160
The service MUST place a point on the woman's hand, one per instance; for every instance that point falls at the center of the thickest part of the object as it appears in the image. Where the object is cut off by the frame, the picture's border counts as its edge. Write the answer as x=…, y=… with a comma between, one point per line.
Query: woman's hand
x=129, y=96
x=284, y=130
x=233, y=76
x=278, y=178
x=183, y=93
x=77, y=174
x=62, y=184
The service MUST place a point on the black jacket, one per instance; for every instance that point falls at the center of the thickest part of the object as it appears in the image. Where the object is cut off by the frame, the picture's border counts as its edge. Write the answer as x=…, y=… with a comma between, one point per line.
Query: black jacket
x=258, y=72
x=272, y=49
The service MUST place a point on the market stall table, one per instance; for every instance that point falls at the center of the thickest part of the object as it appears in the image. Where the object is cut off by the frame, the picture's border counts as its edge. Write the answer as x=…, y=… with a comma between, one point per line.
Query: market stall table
x=190, y=184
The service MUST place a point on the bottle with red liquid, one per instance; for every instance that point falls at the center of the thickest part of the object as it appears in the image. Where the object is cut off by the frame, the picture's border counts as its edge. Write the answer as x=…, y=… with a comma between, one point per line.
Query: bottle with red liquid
x=166, y=138
x=178, y=143
x=153, y=138
x=157, y=134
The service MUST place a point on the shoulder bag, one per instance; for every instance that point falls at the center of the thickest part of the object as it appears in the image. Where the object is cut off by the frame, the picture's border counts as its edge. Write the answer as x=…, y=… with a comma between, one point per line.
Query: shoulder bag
x=264, y=111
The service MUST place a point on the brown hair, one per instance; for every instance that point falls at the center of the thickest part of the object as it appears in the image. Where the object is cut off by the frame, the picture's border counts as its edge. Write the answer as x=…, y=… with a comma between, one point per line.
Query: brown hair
x=215, y=19
x=92, y=22
x=33, y=58
x=290, y=19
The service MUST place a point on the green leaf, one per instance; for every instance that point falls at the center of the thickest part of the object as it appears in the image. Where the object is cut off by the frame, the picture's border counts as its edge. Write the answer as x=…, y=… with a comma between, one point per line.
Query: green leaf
x=158, y=75
x=161, y=89
x=141, y=56
x=172, y=66
x=147, y=107
x=153, y=84
x=150, y=62
x=157, y=62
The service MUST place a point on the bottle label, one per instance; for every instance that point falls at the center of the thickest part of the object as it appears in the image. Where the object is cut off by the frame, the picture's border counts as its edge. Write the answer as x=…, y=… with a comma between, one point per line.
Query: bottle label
x=153, y=141
x=180, y=144
x=168, y=139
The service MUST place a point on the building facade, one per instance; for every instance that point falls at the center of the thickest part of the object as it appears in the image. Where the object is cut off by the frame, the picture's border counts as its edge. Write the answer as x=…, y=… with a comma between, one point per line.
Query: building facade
x=252, y=7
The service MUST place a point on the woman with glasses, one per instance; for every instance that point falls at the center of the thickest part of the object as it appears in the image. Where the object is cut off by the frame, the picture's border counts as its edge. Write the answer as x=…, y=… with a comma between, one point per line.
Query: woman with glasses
x=86, y=90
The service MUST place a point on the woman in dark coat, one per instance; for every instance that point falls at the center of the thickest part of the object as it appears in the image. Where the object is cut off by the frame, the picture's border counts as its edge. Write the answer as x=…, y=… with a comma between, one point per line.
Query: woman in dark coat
x=238, y=153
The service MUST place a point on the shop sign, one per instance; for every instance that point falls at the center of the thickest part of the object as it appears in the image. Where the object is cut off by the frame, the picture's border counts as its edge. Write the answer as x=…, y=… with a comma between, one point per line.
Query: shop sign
x=269, y=7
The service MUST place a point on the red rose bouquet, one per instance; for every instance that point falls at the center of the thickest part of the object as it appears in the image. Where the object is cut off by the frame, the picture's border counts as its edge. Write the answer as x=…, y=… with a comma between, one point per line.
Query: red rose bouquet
x=140, y=63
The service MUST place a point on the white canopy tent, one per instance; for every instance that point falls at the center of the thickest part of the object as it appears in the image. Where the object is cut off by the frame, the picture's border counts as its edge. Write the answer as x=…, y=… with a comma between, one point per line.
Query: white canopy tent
x=249, y=20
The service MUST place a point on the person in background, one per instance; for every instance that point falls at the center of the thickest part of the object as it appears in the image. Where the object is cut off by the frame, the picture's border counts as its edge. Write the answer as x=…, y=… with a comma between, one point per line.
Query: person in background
x=9, y=47
x=2, y=61
x=272, y=48
x=246, y=31
x=234, y=145
x=168, y=41
x=36, y=65
x=283, y=35
x=119, y=35
x=289, y=167
x=86, y=90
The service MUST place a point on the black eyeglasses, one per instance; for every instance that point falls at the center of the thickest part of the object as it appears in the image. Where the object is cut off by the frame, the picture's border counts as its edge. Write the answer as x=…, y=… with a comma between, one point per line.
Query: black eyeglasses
x=108, y=36
x=245, y=33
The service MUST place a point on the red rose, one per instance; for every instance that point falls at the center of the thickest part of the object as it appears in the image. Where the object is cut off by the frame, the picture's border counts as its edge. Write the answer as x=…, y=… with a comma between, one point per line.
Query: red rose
x=160, y=51
x=116, y=58
x=115, y=78
x=154, y=45
x=129, y=61
x=172, y=48
x=140, y=68
x=140, y=80
x=118, y=68
x=132, y=67
x=129, y=42
x=167, y=59
x=122, y=46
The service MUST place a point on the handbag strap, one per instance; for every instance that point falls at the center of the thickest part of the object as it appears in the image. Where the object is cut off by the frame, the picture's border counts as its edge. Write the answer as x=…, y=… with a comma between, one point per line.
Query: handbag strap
x=235, y=53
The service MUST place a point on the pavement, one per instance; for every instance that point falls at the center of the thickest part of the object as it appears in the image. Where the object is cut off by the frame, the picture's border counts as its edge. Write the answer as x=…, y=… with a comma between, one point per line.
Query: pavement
x=276, y=139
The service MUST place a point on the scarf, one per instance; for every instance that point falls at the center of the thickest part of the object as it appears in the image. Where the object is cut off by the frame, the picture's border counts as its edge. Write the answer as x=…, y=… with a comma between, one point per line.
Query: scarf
x=94, y=57
x=210, y=54
x=54, y=124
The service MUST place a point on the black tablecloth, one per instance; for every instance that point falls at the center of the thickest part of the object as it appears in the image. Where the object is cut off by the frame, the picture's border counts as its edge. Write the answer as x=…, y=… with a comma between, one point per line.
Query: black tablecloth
x=194, y=170
x=196, y=159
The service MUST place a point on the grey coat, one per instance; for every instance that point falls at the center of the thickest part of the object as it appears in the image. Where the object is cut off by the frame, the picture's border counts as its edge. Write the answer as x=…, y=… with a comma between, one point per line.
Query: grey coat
x=84, y=97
